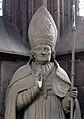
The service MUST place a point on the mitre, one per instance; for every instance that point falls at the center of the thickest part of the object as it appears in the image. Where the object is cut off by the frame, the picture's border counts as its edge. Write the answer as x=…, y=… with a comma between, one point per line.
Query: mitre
x=42, y=29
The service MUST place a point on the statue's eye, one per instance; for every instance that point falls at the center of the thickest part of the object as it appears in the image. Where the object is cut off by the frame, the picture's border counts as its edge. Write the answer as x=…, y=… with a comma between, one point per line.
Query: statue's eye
x=38, y=49
x=46, y=49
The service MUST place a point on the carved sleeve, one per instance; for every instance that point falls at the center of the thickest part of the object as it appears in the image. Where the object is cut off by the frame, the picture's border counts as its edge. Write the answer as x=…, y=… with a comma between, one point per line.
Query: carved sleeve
x=25, y=97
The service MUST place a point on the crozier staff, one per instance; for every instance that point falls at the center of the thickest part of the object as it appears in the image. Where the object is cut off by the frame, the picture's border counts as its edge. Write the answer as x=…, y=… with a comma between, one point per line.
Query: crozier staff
x=73, y=54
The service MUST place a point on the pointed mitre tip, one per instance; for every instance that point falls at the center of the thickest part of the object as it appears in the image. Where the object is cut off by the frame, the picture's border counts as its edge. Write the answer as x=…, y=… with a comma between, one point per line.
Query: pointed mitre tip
x=42, y=8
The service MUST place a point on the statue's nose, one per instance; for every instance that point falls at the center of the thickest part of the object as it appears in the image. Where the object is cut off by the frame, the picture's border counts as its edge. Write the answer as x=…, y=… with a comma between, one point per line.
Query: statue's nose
x=43, y=52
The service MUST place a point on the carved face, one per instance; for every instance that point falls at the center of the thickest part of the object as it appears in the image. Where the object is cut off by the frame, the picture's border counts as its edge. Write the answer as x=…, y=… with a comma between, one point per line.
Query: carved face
x=42, y=53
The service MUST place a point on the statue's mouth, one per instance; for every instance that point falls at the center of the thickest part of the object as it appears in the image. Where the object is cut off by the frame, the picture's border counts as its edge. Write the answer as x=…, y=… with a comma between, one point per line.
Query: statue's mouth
x=43, y=62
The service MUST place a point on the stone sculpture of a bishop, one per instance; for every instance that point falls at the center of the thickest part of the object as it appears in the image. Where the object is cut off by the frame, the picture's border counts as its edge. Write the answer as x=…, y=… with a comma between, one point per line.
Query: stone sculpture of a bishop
x=41, y=88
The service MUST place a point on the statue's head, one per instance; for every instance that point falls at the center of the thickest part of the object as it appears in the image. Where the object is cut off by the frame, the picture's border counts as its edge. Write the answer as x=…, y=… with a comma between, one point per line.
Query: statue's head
x=42, y=53
x=42, y=34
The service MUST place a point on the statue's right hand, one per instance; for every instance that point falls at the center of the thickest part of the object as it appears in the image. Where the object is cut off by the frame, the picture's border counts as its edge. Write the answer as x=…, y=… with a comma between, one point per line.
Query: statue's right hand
x=39, y=78
x=39, y=83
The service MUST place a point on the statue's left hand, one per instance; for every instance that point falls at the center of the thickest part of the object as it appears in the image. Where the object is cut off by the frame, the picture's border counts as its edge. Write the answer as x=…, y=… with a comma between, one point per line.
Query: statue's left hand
x=72, y=93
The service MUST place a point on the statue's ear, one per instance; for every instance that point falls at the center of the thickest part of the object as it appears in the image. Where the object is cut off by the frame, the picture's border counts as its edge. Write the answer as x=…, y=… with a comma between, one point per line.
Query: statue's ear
x=32, y=57
x=33, y=51
x=52, y=54
x=32, y=54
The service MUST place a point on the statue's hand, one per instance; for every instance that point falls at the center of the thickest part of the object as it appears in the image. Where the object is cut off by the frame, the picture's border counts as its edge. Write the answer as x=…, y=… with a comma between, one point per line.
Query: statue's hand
x=39, y=83
x=39, y=78
x=66, y=102
x=72, y=93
